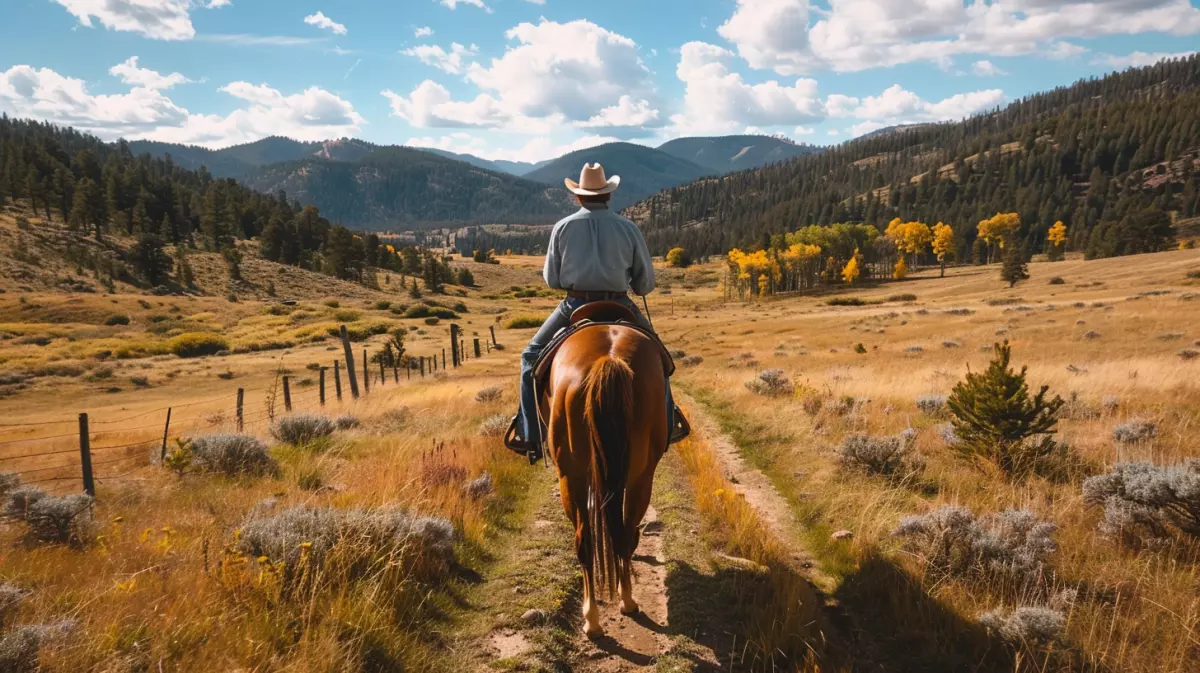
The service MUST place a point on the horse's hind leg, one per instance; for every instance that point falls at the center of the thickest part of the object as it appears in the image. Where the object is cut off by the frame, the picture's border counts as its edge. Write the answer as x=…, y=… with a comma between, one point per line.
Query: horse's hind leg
x=574, y=501
x=637, y=501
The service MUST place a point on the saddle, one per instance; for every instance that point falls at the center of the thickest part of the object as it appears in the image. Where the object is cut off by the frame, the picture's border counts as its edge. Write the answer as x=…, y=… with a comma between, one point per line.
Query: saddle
x=590, y=315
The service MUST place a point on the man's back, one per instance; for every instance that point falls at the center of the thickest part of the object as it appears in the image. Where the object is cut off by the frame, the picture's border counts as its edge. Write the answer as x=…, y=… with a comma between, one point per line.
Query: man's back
x=597, y=250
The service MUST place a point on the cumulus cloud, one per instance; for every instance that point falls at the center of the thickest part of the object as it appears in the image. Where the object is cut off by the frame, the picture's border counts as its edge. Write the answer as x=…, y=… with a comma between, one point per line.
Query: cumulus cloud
x=145, y=112
x=321, y=21
x=628, y=115
x=573, y=70
x=986, y=69
x=1062, y=51
x=453, y=4
x=1138, y=59
x=453, y=62
x=897, y=103
x=430, y=105
x=860, y=34
x=156, y=19
x=130, y=73
x=717, y=100
x=214, y=4
x=423, y=31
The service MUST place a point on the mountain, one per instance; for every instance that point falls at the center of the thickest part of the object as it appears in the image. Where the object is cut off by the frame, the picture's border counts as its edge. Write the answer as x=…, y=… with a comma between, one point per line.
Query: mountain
x=192, y=157
x=238, y=160
x=1112, y=158
x=497, y=165
x=402, y=187
x=724, y=154
x=643, y=170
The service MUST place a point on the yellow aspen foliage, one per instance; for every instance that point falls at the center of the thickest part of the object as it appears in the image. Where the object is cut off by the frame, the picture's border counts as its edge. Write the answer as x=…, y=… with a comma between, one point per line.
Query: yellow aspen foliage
x=943, y=240
x=998, y=228
x=764, y=283
x=909, y=237
x=900, y=270
x=677, y=257
x=850, y=271
x=1057, y=234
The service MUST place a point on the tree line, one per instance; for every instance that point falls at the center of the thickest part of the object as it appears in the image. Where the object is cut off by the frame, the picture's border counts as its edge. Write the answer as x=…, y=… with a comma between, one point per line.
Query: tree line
x=100, y=190
x=1114, y=158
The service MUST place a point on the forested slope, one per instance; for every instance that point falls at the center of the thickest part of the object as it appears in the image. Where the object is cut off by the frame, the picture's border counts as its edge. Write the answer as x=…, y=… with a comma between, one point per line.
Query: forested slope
x=1113, y=158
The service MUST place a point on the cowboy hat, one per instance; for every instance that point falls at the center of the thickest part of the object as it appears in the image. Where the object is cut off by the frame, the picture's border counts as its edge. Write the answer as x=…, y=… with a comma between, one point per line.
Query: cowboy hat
x=592, y=181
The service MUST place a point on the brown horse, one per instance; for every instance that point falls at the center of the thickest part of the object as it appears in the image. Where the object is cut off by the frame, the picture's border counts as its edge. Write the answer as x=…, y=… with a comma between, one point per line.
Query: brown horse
x=607, y=422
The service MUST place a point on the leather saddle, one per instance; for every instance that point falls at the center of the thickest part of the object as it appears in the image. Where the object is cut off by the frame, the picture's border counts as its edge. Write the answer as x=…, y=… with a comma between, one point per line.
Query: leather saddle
x=590, y=315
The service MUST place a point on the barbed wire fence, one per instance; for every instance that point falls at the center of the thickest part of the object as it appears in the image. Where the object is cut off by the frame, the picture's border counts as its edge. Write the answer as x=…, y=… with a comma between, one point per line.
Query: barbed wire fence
x=79, y=452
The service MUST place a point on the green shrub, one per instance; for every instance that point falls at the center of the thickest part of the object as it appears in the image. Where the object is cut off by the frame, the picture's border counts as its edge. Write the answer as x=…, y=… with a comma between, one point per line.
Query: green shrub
x=907, y=296
x=524, y=322
x=383, y=305
x=432, y=321
x=418, y=311
x=116, y=319
x=333, y=303
x=197, y=344
x=360, y=331
x=347, y=315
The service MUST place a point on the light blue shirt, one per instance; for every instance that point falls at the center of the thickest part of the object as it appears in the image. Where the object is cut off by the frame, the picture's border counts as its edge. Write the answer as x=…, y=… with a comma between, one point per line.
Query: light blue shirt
x=597, y=250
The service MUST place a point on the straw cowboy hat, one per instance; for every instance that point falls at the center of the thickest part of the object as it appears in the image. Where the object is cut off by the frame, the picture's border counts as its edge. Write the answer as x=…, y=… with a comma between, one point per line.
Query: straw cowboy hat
x=592, y=181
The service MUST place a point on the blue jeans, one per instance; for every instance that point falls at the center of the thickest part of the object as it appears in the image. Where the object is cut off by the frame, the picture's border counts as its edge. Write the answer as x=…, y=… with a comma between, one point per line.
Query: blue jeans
x=558, y=319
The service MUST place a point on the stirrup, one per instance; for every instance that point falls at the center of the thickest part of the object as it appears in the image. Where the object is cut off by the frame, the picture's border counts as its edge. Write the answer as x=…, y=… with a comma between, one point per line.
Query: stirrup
x=681, y=429
x=521, y=446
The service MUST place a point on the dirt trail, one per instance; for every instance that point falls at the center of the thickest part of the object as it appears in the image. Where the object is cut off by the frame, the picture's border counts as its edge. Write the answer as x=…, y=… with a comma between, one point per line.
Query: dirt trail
x=634, y=642
x=754, y=486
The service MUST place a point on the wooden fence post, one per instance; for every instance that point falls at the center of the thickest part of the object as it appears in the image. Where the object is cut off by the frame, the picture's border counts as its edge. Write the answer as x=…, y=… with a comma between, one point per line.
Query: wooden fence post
x=241, y=396
x=287, y=395
x=462, y=351
x=166, y=429
x=492, y=329
x=350, y=363
x=337, y=379
x=408, y=368
x=85, y=456
x=422, y=366
x=443, y=358
x=476, y=346
x=454, y=354
x=322, y=395
x=366, y=374
x=382, y=372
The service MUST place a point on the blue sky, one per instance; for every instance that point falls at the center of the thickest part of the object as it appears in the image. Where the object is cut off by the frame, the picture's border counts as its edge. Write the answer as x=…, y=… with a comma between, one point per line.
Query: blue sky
x=530, y=79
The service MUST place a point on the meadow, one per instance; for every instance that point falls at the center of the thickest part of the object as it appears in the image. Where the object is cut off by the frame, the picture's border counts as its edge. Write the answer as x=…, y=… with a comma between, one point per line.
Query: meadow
x=407, y=538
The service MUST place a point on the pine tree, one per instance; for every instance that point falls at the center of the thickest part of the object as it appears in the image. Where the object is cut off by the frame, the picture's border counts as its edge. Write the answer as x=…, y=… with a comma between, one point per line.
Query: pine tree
x=995, y=418
x=150, y=260
x=1015, y=268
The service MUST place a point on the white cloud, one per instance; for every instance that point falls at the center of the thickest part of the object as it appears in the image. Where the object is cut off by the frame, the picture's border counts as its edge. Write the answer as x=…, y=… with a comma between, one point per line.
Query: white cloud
x=804, y=131
x=1061, y=51
x=986, y=69
x=453, y=62
x=453, y=4
x=628, y=113
x=863, y=128
x=861, y=34
x=897, y=103
x=1138, y=59
x=321, y=21
x=717, y=100
x=536, y=2
x=423, y=31
x=833, y=132
x=130, y=73
x=214, y=4
x=145, y=112
x=573, y=70
x=430, y=105
x=156, y=19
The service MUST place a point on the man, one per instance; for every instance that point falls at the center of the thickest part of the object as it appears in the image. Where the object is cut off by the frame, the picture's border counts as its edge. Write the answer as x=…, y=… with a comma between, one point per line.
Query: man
x=595, y=255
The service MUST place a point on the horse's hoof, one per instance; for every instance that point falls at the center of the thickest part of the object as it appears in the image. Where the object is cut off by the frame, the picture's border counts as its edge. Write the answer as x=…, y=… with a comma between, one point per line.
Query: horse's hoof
x=630, y=609
x=593, y=633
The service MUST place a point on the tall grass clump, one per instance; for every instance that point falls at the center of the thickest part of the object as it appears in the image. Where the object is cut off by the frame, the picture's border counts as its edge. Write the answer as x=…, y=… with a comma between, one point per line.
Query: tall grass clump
x=1147, y=504
x=932, y=405
x=524, y=322
x=995, y=417
x=20, y=648
x=1028, y=625
x=347, y=545
x=1134, y=432
x=489, y=394
x=231, y=455
x=197, y=344
x=952, y=541
x=302, y=428
x=494, y=426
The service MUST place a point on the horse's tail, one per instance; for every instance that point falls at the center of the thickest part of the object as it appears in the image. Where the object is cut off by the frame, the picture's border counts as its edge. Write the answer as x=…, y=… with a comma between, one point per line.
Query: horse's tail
x=608, y=391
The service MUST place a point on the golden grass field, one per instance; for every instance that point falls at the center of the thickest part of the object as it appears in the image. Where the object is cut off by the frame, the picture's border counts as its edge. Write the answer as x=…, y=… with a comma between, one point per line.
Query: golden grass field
x=158, y=584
